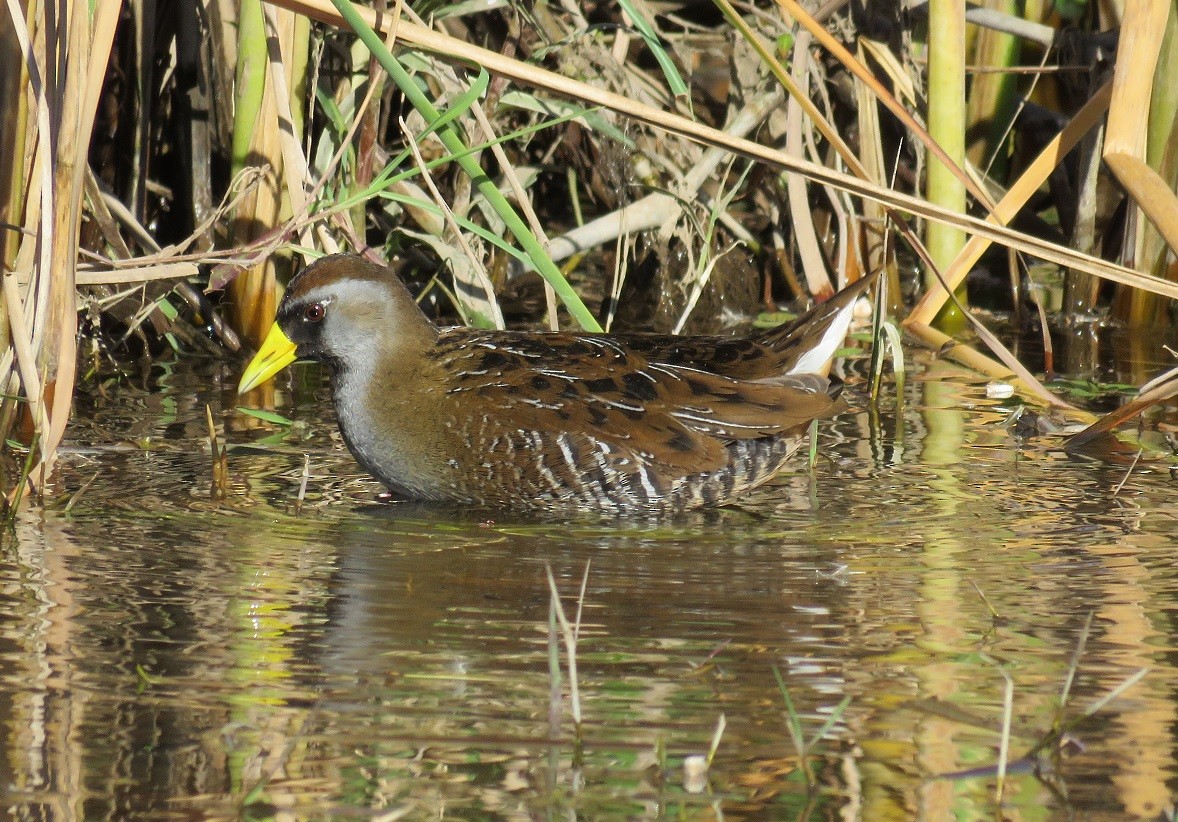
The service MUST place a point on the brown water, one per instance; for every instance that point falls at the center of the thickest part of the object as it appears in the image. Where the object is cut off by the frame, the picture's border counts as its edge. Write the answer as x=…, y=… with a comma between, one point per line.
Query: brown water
x=164, y=655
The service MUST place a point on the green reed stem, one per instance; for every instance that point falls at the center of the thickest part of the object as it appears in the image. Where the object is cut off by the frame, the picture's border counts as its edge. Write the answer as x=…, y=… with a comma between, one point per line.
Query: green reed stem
x=485, y=185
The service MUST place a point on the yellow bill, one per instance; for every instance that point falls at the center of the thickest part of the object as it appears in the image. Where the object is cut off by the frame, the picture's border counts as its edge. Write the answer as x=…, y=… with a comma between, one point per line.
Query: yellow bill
x=276, y=353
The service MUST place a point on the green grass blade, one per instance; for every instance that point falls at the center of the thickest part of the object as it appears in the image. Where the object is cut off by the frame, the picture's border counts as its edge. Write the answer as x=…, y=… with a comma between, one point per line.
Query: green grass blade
x=650, y=36
x=486, y=186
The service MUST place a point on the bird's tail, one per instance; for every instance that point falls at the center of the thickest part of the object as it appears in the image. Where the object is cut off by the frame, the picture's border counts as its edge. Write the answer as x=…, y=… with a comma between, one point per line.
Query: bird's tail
x=808, y=344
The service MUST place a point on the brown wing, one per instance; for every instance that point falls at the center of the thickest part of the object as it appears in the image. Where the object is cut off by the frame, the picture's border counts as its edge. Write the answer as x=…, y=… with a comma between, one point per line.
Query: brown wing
x=667, y=419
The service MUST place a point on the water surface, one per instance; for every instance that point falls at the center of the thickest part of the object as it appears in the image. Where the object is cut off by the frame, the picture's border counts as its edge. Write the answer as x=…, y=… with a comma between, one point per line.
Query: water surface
x=164, y=654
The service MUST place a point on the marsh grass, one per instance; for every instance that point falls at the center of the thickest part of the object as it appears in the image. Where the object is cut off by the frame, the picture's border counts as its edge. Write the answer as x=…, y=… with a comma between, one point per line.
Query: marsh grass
x=219, y=485
x=1042, y=755
x=568, y=633
x=805, y=748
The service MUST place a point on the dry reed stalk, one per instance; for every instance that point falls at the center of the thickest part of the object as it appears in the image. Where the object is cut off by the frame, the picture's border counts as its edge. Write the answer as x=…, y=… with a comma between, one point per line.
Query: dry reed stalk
x=474, y=272
x=1160, y=389
x=36, y=173
x=809, y=248
x=794, y=10
x=14, y=129
x=1016, y=197
x=874, y=221
x=570, y=633
x=288, y=42
x=1127, y=149
x=461, y=51
x=522, y=200
x=1081, y=291
x=43, y=321
x=1004, y=736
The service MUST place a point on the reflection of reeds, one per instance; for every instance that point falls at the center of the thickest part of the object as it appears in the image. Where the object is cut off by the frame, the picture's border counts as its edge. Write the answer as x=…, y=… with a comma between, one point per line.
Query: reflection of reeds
x=1043, y=756
x=303, y=129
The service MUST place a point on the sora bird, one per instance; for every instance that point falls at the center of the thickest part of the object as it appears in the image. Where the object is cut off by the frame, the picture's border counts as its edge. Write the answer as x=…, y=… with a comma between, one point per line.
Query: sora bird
x=554, y=422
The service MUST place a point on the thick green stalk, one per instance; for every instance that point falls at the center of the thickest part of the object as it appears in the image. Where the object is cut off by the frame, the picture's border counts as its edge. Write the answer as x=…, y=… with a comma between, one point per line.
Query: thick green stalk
x=993, y=95
x=486, y=186
x=250, y=82
x=946, y=125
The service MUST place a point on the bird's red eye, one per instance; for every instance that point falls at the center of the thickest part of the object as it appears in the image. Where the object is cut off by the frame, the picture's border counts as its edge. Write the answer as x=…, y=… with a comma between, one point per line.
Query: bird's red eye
x=314, y=312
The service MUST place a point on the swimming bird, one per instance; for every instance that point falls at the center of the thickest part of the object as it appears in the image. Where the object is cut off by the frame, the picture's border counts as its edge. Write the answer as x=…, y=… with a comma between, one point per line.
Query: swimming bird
x=552, y=422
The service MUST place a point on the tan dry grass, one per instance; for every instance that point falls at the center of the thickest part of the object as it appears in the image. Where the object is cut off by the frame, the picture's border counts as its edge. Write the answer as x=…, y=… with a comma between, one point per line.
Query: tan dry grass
x=43, y=319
